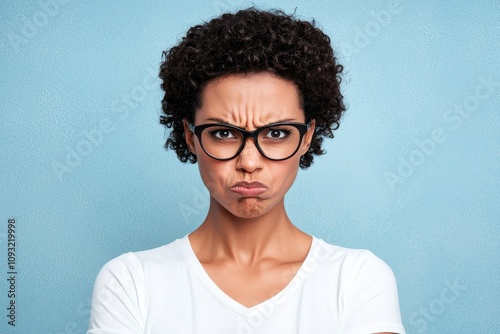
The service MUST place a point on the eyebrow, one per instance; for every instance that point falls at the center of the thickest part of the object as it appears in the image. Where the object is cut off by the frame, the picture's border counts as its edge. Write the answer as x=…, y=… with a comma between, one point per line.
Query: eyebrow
x=218, y=120
x=221, y=121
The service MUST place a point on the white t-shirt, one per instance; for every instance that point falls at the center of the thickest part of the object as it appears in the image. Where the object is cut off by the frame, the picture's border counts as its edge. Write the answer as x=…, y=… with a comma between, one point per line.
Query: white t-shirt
x=166, y=290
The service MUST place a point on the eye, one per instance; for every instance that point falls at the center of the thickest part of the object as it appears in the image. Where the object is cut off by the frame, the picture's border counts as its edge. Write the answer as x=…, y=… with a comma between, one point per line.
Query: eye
x=222, y=133
x=278, y=133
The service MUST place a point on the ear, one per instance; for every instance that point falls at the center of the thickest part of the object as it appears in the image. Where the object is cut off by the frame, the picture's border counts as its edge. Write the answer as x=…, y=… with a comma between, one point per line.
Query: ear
x=189, y=135
x=306, y=142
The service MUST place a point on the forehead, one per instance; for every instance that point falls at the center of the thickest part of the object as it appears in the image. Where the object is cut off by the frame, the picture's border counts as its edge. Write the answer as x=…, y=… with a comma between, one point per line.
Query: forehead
x=250, y=100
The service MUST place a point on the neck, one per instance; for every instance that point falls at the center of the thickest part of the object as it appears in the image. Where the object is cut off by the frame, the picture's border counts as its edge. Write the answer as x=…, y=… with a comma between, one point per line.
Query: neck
x=245, y=240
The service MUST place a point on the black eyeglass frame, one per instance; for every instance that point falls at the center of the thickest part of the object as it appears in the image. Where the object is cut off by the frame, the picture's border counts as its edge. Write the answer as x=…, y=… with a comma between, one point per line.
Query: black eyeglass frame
x=198, y=129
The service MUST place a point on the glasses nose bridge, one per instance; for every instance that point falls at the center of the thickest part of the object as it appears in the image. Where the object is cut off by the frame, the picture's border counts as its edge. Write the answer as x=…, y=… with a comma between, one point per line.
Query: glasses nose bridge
x=250, y=134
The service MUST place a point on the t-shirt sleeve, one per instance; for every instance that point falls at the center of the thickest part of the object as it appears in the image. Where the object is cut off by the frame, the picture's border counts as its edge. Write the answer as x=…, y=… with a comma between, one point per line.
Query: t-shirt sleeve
x=117, y=300
x=372, y=304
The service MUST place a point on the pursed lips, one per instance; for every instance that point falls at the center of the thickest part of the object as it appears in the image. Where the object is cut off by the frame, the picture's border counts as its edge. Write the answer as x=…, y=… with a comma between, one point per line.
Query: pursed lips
x=249, y=189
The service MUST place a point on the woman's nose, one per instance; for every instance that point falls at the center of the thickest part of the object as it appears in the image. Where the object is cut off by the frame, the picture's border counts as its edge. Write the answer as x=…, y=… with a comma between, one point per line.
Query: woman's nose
x=250, y=159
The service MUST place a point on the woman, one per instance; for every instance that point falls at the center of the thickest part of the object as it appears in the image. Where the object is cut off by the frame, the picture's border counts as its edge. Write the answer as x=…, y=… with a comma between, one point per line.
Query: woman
x=249, y=97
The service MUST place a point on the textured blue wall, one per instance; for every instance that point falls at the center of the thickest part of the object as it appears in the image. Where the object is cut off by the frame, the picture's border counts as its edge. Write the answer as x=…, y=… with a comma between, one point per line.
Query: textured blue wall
x=413, y=173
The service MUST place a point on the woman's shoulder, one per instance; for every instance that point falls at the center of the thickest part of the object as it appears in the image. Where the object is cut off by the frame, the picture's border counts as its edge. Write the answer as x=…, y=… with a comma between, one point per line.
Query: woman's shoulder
x=340, y=252
x=350, y=261
x=170, y=252
x=132, y=262
x=364, y=286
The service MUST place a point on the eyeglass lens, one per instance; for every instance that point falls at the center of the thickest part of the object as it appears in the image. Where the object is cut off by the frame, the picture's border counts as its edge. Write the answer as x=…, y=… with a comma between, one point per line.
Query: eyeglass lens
x=277, y=142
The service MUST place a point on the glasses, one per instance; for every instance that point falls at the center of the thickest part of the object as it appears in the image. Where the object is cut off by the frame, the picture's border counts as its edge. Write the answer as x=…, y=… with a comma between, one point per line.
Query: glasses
x=278, y=141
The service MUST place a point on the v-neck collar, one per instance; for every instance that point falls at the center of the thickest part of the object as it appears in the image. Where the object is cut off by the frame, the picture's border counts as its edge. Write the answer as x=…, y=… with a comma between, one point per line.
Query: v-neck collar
x=218, y=293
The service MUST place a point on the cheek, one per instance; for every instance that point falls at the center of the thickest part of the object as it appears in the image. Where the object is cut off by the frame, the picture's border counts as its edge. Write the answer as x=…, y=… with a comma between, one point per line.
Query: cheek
x=287, y=172
x=211, y=172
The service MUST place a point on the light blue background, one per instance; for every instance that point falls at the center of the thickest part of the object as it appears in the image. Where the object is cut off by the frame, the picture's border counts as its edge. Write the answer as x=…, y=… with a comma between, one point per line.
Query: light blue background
x=88, y=66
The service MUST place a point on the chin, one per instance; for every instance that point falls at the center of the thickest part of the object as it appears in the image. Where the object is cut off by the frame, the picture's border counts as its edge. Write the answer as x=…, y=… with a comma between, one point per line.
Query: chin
x=248, y=208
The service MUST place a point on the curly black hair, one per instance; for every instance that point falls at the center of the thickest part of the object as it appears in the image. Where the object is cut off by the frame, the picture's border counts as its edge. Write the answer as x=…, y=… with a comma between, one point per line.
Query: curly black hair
x=251, y=41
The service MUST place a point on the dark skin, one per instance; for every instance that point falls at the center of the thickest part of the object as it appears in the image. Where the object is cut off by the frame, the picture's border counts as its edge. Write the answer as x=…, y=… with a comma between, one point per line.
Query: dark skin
x=247, y=244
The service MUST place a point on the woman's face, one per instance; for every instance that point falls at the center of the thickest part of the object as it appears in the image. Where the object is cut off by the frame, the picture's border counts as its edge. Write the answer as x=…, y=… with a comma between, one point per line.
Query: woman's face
x=249, y=185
